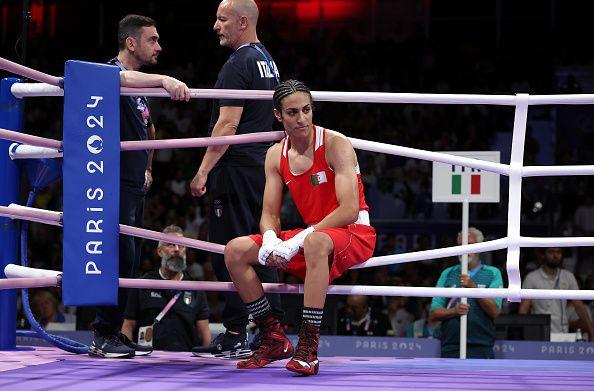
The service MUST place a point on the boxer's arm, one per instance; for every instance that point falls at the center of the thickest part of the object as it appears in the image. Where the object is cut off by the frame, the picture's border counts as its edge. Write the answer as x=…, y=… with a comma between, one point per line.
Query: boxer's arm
x=341, y=157
x=273, y=192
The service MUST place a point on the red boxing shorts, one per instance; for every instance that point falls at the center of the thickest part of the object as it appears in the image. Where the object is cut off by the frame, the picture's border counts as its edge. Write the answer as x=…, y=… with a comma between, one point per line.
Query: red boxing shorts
x=353, y=244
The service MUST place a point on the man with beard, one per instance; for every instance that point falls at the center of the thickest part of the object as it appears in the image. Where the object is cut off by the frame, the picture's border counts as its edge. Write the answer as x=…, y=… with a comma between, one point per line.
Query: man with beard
x=185, y=324
x=481, y=312
x=551, y=275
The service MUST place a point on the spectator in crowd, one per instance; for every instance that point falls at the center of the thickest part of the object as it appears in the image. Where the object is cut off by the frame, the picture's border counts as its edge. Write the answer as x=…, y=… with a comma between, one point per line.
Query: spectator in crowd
x=179, y=185
x=481, y=312
x=584, y=217
x=551, y=275
x=358, y=318
x=589, y=285
x=583, y=220
x=570, y=85
x=45, y=306
x=185, y=324
x=422, y=327
x=399, y=316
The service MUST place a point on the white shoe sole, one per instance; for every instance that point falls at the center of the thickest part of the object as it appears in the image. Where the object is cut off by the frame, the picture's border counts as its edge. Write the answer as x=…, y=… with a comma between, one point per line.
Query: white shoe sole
x=230, y=355
x=96, y=352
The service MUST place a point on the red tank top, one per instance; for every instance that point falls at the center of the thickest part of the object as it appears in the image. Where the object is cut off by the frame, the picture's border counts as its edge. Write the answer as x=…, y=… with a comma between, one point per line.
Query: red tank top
x=314, y=191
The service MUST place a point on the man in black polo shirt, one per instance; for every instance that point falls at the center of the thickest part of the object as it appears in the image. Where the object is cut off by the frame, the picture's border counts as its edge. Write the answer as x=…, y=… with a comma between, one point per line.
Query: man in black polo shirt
x=138, y=42
x=234, y=175
x=184, y=325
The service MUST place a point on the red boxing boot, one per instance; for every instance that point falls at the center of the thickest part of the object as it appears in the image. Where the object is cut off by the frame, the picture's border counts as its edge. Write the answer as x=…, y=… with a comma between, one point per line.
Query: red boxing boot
x=305, y=361
x=275, y=346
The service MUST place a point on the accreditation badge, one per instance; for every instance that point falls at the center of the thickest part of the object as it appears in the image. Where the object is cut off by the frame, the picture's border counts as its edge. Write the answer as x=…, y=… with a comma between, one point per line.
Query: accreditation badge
x=145, y=336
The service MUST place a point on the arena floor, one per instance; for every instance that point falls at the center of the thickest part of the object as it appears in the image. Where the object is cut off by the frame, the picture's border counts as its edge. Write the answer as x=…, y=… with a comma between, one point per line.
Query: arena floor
x=43, y=368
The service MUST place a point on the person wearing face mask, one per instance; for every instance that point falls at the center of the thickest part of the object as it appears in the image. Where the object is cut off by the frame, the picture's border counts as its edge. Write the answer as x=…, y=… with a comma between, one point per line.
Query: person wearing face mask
x=481, y=312
x=181, y=327
x=551, y=275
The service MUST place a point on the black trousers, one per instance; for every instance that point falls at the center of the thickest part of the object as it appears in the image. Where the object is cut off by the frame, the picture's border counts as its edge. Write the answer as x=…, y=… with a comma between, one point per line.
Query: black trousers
x=108, y=319
x=235, y=208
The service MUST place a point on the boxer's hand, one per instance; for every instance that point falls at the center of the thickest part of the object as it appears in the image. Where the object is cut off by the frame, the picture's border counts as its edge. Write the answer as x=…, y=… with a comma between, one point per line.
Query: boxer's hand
x=290, y=247
x=269, y=242
x=287, y=249
x=277, y=262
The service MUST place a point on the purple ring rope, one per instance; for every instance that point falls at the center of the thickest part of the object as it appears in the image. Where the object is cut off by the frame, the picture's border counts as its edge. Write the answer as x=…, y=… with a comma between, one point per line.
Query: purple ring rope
x=29, y=73
x=29, y=139
x=55, y=218
x=201, y=141
x=36, y=282
x=195, y=142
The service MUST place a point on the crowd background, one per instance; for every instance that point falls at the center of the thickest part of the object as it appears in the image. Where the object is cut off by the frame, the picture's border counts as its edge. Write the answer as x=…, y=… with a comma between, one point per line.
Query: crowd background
x=487, y=47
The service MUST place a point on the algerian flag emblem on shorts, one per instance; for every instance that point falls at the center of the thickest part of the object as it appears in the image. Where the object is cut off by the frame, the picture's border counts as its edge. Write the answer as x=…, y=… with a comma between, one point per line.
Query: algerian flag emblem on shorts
x=318, y=178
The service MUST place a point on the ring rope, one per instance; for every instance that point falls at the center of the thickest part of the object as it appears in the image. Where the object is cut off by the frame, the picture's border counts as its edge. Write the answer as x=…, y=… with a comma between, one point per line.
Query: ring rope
x=515, y=170
x=55, y=218
x=553, y=294
x=29, y=73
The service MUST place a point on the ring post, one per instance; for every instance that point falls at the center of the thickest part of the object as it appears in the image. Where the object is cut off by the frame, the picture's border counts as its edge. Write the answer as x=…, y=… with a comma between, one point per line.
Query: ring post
x=11, y=117
x=464, y=270
x=91, y=171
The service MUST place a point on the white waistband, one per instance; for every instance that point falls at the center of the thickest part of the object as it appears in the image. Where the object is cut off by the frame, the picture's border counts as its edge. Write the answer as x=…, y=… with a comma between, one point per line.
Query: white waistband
x=363, y=217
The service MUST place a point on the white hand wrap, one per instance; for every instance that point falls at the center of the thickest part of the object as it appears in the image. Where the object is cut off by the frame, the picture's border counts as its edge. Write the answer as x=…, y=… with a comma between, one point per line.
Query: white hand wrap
x=289, y=248
x=269, y=242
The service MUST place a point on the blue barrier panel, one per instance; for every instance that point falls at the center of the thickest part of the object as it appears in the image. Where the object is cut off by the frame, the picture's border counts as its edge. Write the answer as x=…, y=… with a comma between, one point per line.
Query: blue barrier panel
x=335, y=346
x=91, y=172
x=11, y=117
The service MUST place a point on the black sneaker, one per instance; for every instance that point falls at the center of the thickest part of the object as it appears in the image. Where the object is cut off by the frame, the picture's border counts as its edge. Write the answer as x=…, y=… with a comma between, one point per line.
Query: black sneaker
x=109, y=346
x=225, y=345
x=139, y=350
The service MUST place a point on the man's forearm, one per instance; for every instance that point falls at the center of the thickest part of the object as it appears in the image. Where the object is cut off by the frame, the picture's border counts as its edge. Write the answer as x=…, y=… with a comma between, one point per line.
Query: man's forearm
x=214, y=153
x=152, y=135
x=524, y=307
x=203, y=332
x=489, y=306
x=139, y=79
x=211, y=157
x=440, y=314
x=582, y=313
